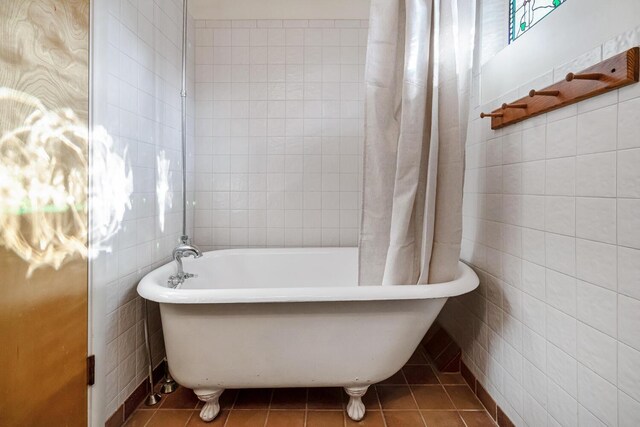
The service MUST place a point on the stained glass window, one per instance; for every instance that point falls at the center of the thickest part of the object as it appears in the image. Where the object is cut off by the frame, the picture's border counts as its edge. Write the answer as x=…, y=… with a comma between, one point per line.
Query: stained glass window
x=524, y=14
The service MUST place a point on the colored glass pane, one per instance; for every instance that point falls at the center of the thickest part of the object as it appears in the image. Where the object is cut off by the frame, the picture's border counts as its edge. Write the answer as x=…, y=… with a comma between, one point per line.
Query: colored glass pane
x=524, y=14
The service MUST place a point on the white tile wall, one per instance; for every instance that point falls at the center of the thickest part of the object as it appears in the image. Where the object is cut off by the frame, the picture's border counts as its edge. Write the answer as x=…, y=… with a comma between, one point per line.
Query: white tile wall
x=138, y=97
x=552, y=226
x=279, y=129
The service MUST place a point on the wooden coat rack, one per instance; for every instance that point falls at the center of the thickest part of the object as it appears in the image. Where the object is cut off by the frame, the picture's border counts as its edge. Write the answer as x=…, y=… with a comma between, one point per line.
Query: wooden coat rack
x=610, y=74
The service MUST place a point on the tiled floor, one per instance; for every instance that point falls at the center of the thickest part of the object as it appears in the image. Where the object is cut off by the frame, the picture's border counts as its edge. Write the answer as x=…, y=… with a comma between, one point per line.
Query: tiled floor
x=415, y=396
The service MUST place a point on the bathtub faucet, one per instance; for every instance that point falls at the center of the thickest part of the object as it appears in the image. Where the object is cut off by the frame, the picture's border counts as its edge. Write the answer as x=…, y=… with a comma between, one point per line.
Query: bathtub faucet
x=181, y=251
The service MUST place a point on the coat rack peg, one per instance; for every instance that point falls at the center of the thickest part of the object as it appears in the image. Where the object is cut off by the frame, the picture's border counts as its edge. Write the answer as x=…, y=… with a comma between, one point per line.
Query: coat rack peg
x=483, y=115
x=585, y=76
x=505, y=106
x=613, y=73
x=534, y=92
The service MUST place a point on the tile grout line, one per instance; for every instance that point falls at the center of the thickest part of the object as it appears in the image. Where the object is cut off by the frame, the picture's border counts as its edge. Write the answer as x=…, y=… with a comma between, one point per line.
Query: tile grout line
x=424, y=423
x=230, y=409
x=306, y=406
x=266, y=419
x=384, y=419
x=189, y=417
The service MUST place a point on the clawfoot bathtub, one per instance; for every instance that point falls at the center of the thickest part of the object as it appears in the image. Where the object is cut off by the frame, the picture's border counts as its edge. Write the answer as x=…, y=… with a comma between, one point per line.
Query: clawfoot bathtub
x=290, y=318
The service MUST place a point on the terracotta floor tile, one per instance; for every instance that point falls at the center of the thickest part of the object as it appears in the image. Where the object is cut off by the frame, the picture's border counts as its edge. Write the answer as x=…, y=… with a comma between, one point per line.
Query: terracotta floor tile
x=477, y=419
x=253, y=398
x=438, y=405
x=463, y=397
x=217, y=422
x=449, y=359
x=397, y=378
x=139, y=418
x=371, y=419
x=182, y=398
x=169, y=418
x=403, y=419
x=285, y=418
x=431, y=397
x=396, y=397
x=246, y=418
x=325, y=419
x=442, y=419
x=289, y=398
x=420, y=374
x=324, y=398
x=451, y=378
x=227, y=399
x=437, y=344
x=418, y=357
x=370, y=399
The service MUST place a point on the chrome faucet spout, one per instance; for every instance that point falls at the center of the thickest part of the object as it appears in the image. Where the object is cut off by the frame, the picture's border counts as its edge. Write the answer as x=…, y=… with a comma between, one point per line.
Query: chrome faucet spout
x=186, y=250
x=181, y=251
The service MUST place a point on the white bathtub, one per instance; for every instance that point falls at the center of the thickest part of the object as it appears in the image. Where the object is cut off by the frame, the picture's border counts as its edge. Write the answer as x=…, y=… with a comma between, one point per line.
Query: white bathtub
x=290, y=318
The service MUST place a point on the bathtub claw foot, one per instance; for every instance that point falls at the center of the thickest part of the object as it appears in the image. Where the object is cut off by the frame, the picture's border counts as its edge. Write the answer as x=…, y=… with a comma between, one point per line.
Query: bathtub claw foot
x=211, y=406
x=355, y=407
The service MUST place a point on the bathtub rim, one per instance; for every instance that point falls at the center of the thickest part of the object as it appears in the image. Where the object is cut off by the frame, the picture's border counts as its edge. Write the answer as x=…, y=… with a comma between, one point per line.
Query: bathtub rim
x=152, y=287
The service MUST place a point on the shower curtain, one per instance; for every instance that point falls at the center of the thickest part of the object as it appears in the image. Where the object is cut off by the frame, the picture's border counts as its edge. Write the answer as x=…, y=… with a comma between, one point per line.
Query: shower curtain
x=417, y=80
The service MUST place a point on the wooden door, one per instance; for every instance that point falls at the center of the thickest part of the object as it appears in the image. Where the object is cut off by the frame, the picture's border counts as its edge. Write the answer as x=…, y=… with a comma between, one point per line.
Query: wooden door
x=43, y=268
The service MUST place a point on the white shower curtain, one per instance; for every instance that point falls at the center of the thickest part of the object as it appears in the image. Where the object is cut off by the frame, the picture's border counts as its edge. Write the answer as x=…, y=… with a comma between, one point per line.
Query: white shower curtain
x=417, y=78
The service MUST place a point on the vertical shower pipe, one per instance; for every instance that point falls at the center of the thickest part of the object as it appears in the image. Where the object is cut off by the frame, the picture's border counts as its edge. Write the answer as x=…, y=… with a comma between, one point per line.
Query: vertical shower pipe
x=152, y=398
x=168, y=384
x=183, y=95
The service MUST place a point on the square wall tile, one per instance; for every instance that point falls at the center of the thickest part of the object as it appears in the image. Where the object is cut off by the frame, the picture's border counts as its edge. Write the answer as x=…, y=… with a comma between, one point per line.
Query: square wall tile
x=597, y=351
x=562, y=331
x=533, y=245
x=629, y=410
x=629, y=124
x=628, y=226
x=534, y=280
x=533, y=177
x=534, y=143
x=629, y=370
x=535, y=383
x=560, y=215
x=596, y=219
x=561, y=177
x=561, y=138
x=534, y=314
x=596, y=175
x=629, y=272
x=562, y=369
x=596, y=263
x=629, y=321
x=598, y=395
x=597, y=307
x=560, y=253
x=629, y=173
x=597, y=130
x=561, y=292
x=534, y=348
x=561, y=406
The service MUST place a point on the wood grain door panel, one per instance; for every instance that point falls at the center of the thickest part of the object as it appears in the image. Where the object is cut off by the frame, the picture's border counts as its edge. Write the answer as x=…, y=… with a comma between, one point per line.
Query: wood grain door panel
x=44, y=53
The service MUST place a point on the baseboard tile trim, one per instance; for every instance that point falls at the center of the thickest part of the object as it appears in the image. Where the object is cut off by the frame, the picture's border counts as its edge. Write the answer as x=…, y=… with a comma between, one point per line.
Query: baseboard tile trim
x=483, y=395
x=122, y=414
